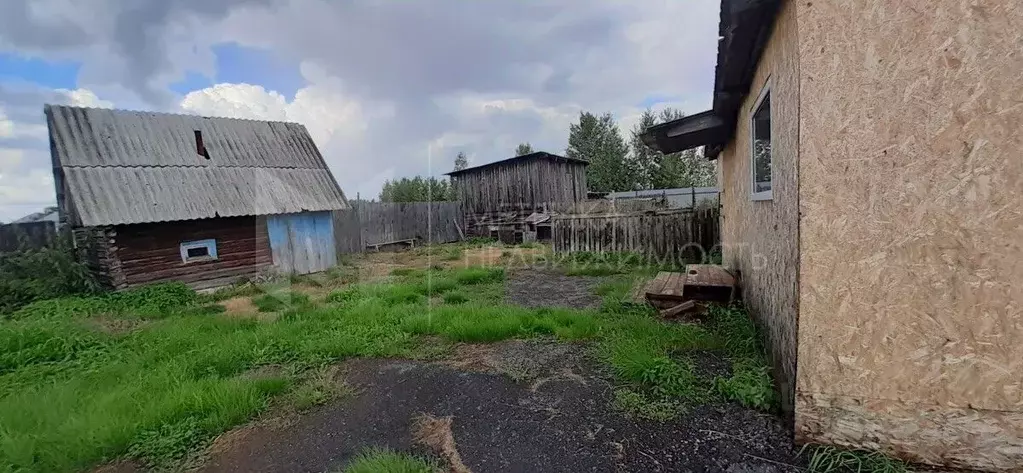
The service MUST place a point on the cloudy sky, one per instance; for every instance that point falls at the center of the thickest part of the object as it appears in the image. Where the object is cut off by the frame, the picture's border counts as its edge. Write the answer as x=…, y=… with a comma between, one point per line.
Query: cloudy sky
x=387, y=88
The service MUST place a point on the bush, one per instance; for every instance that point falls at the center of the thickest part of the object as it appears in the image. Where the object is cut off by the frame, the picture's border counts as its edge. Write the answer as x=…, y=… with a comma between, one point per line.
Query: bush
x=33, y=275
x=152, y=301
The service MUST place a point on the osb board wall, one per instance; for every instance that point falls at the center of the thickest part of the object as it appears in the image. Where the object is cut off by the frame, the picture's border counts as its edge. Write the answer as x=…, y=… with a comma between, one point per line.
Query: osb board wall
x=912, y=227
x=761, y=238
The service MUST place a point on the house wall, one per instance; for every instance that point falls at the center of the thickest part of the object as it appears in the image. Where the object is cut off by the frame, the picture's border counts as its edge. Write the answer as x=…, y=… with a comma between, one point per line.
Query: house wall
x=760, y=238
x=95, y=246
x=150, y=252
x=911, y=291
x=524, y=186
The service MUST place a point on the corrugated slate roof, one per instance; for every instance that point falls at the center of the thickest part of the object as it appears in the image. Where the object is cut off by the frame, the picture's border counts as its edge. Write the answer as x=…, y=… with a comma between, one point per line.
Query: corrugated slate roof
x=124, y=167
x=524, y=157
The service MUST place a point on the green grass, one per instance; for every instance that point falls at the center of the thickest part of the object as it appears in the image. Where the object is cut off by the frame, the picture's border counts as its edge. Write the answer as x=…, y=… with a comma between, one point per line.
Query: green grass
x=827, y=459
x=452, y=254
x=280, y=301
x=647, y=356
x=455, y=297
x=389, y=461
x=478, y=275
x=72, y=396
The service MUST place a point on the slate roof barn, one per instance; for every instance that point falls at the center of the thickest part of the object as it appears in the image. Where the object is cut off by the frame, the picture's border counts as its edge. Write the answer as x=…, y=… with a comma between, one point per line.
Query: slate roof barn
x=156, y=196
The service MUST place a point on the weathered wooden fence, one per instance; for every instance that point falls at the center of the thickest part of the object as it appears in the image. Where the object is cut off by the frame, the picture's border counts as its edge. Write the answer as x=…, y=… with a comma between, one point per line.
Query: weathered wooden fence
x=676, y=235
x=29, y=235
x=376, y=223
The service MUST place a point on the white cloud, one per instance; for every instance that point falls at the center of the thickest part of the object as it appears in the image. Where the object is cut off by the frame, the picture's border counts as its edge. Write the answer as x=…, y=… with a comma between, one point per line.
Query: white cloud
x=85, y=98
x=22, y=194
x=337, y=123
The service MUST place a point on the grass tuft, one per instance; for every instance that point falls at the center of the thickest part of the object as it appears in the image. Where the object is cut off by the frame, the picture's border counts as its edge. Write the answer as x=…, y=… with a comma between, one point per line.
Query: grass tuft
x=828, y=459
x=478, y=275
x=455, y=297
x=389, y=461
x=638, y=405
x=281, y=301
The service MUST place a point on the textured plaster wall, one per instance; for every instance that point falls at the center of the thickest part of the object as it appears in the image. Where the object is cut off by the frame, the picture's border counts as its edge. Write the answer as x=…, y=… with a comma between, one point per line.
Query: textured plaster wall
x=911, y=195
x=760, y=238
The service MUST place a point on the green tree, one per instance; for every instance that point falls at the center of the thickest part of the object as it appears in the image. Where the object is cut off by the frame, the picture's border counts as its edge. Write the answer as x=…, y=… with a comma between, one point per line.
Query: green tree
x=461, y=162
x=665, y=171
x=523, y=149
x=416, y=189
x=598, y=140
x=647, y=161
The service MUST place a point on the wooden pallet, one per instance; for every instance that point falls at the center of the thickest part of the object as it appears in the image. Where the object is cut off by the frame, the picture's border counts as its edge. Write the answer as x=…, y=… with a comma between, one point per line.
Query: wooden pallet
x=700, y=282
x=665, y=290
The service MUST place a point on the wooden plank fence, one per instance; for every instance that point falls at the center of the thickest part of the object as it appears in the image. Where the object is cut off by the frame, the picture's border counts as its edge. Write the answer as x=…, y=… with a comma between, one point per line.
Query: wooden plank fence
x=375, y=223
x=675, y=235
x=28, y=235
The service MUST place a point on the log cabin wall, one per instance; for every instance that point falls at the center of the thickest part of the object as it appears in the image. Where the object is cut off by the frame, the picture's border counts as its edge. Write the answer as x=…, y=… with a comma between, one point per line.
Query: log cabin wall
x=150, y=252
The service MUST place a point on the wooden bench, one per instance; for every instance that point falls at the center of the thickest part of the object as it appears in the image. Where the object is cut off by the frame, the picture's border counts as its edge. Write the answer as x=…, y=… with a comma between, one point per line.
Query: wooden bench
x=376, y=247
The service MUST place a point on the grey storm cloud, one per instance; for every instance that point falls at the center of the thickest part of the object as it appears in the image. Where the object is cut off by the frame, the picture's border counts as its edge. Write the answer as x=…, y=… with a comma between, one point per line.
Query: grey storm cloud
x=133, y=31
x=416, y=57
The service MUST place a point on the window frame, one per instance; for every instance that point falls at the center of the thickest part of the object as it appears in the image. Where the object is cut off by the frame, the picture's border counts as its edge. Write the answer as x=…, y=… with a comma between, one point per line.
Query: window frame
x=767, y=195
x=211, y=250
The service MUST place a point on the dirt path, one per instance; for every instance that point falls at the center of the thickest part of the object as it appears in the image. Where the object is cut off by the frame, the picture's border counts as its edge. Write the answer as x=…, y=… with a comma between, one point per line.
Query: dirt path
x=545, y=288
x=528, y=406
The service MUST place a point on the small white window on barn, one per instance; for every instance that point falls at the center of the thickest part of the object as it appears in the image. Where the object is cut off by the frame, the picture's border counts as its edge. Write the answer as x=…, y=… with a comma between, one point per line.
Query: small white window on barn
x=200, y=250
x=760, y=161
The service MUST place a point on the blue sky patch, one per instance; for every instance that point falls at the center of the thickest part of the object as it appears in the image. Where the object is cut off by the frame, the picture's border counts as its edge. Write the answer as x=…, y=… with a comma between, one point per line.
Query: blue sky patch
x=654, y=99
x=192, y=81
x=237, y=64
x=51, y=74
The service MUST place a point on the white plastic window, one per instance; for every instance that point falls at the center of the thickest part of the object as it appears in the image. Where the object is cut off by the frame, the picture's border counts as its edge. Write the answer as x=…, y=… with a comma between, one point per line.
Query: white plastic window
x=200, y=250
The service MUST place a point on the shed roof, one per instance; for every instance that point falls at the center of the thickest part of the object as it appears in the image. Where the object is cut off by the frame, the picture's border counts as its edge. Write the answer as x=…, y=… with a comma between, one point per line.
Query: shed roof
x=120, y=167
x=524, y=157
x=743, y=30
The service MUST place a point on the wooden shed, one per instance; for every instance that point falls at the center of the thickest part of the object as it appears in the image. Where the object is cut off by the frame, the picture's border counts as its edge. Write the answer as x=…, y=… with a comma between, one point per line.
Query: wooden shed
x=158, y=197
x=499, y=197
x=871, y=187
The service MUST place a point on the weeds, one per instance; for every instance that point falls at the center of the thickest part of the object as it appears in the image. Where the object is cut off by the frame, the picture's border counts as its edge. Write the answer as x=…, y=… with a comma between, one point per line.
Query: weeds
x=827, y=459
x=456, y=297
x=452, y=254
x=637, y=404
x=479, y=275
x=32, y=275
x=71, y=396
x=321, y=385
x=389, y=461
x=277, y=302
x=639, y=350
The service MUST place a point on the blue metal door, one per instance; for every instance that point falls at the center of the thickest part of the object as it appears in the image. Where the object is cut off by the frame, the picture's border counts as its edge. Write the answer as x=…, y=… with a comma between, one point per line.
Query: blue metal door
x=302, y=243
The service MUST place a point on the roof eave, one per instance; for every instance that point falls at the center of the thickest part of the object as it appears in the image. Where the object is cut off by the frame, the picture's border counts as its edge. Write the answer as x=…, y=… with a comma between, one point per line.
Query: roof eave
x=702, y=129
x=744, y=28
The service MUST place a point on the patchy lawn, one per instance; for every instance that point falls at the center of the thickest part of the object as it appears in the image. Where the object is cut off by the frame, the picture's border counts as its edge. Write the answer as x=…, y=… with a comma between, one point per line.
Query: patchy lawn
x=520, y=368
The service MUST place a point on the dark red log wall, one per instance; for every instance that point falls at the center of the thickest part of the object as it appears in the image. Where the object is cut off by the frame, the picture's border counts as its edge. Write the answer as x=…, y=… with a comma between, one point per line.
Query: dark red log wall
x=150, y=252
